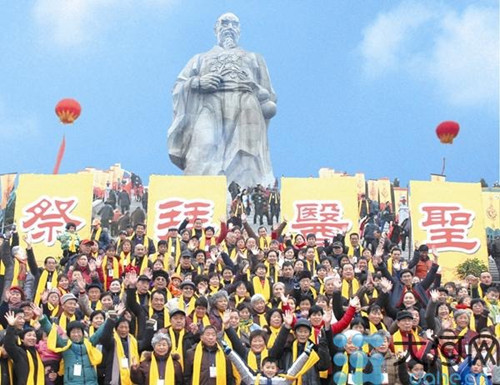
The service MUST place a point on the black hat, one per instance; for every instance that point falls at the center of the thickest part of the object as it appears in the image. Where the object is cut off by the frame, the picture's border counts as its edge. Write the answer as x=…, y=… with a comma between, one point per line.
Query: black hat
x=337, y=244
x=123, y=232
x=143, y=277
x=302, y=322
x=177, y=311
x=93, y=285
x=187, y=283
x=303, y=274
x=160, y=273
x=403, y=315
x=186, y=254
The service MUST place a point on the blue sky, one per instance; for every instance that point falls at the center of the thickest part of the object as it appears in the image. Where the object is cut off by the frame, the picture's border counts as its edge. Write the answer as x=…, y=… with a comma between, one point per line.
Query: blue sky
x=361, y=85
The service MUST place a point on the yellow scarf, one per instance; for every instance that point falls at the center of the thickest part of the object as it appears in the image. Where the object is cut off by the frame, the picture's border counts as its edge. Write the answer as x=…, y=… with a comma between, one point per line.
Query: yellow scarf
x=204, y=245
x=133, y=356
x=264, y=290
x=358, y=372
x=274, y=276
x=72, y=242
x=125, y=260
x=373, y=327
x=15, y=276
x=313, y=358
x=350, y=252
x=205, y=321
x=264, y=242
x=472, y=322
x=252, y=359
x=238, y=300
x=39, y=377
x=174, y=249
x=400, y=346
x=345, y=288
x=220, y=365
x=95, y=236
x=144, y=264
x=63, y=320
x=177, y=344
x=166, y=316
x=190, y=305
x=154, y=374
x=54, y=310
x=445, y=369
x=272, y=336
x=95, y=356
x=115, y=272
x=42, y=285
x=262, y=319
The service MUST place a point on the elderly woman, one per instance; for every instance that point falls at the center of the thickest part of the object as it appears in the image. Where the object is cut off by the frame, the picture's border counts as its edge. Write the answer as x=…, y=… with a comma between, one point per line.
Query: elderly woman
x=156, y=366
x=219, y=304
x=463, y=332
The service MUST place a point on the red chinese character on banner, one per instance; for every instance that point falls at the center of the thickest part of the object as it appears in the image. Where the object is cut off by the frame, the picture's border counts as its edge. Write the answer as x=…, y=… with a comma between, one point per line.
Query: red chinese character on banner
x=172, y=211
x=47, y=216
x=322, y=218
x=447, y=226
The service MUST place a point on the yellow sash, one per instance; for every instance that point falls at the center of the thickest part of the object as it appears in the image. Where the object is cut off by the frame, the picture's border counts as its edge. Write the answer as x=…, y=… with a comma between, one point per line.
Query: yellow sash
x=272, y=336
x=190, y=306
x=264, y=242
x=177, y=344
x=177, y=253
x=345, y=288
x=220, y=365
x=472, y=322
x=39, y=377
x=116, y=270
x=63, y=320
x=205, y=321
x=166, y=316
x=373, y=327
x=42, y=284
x=125, y=260
x=154, y=375
x=133, y=356
x=264, y=290
x=313, y=358
x=275, y=275
x=252, y=359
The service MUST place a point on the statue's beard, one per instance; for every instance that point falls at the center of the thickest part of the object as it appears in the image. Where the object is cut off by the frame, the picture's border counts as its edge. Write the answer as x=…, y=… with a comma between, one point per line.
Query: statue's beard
x=228, y=42
x=227, y=39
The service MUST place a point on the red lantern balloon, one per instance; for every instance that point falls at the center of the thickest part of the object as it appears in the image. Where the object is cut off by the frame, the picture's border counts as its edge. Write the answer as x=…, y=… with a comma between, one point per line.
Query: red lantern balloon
x=68, y=110
x=447, y=131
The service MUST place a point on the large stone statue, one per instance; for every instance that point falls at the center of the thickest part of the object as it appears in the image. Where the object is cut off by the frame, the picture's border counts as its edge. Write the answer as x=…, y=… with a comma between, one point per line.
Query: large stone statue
x=223, y=100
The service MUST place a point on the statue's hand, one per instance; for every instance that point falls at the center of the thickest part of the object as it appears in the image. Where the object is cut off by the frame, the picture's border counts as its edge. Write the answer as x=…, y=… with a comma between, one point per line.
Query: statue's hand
x=209, y=82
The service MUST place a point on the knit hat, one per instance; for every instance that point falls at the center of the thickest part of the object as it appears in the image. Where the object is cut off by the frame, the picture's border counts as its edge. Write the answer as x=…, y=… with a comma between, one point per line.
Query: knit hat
x=19, y=290
x=302, y=323
x=67, y=297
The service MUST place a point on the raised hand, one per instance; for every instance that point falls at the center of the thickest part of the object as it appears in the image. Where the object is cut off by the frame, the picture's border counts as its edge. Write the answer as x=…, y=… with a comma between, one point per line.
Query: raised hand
x=434, y=295
x=354, y=302
x=11, y=318
x=288, y=318
x=98, y=261
x=243, y=218
x=226, y=317
x=148, y=273
x=81, y=284
x=37, y=311
x=120, y=309
x=92, y=265
x=27, y=239
x=132, y=278
x=385, y=285
x=337, y=284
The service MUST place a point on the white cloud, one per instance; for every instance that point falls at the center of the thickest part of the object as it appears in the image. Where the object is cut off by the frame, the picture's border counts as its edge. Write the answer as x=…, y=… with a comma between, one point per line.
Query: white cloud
x=15, y=128
x=71, y=23
x=456, y=51
x=384, y=40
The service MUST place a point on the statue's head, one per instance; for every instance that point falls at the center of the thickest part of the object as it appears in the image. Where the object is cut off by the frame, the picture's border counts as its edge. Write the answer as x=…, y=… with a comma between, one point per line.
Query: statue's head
x=227, y=30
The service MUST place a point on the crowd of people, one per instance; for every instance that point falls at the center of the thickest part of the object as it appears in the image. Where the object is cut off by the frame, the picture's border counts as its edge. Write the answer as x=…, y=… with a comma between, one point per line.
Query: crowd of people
x=240, y=307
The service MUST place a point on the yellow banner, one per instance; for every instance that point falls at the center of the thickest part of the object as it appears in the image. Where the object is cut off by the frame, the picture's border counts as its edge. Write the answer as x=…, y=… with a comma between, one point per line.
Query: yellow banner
x=320, y=206
x=45, y=203
x=491, y=207
x=449, y=217
x=384, y=192
x=400, y=196
x=360, y=183
x=173, y=198
x=373, y=190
